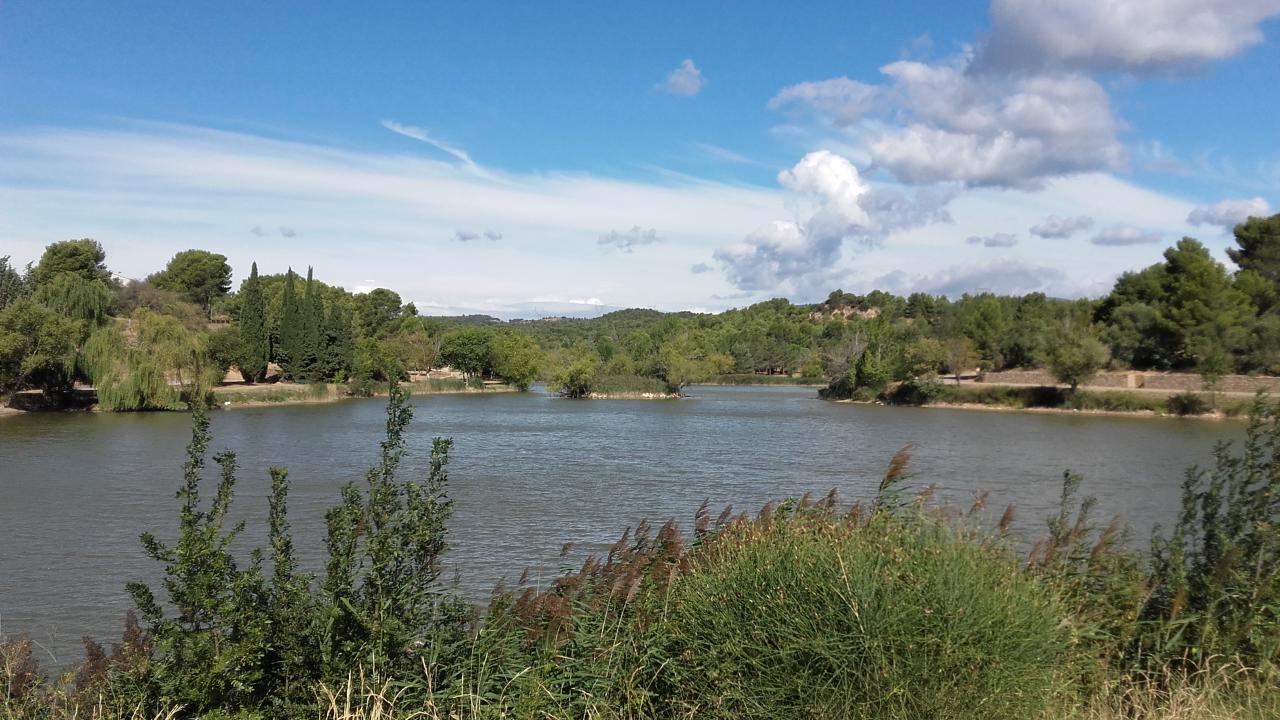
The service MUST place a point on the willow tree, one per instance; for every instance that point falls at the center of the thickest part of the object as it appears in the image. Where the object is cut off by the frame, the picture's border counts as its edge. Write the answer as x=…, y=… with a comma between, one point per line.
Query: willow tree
x=148, y=362
x=88, y=301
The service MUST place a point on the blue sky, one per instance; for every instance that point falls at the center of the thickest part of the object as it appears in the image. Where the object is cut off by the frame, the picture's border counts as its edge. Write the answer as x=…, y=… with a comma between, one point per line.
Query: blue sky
x=558, y=157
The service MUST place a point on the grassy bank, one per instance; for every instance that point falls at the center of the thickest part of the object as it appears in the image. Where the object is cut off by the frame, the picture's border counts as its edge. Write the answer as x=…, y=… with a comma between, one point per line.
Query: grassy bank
x=890, y=608
x=1055, y=398
x=289, y=393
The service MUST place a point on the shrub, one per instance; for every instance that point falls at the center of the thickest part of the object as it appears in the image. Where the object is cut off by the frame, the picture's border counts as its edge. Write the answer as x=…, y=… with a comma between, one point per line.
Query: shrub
x=1187, y=403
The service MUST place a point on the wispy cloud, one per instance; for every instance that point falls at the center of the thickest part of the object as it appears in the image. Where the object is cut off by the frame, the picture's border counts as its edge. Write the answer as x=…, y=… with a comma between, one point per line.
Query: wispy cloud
x=421, y=135
x=629, y=240
x=1121, y=235
x=470, y=235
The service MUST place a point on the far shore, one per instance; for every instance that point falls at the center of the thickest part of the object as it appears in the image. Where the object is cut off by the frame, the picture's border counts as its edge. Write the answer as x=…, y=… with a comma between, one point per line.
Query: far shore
x=1215, y=415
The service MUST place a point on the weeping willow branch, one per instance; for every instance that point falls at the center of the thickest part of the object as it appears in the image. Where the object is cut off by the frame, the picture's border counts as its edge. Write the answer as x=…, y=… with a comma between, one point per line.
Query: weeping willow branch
x=148, y=362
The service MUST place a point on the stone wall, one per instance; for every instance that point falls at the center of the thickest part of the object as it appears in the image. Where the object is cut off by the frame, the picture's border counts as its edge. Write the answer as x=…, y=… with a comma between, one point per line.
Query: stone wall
x=1173, y=382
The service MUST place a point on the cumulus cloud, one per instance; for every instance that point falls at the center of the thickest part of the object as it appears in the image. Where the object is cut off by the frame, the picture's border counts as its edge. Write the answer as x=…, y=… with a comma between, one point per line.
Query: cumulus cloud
x=629, y=240
x=1229, y=213
x=1133, y=36
x=891, y=209
x=699, y=268
x=470, y=235
x=1057, y=228
x=845, y=101
x=998, y=240
x=685, y=80
x=1003, y=277
x=800, y=256
x=1120, y=235
x=997, y=131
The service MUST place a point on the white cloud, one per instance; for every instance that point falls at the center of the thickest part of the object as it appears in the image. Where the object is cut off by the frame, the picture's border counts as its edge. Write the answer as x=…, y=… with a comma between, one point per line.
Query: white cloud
x=629, y=240
x=699, y=268
x=799, y=256
x=1229, y=213
x=845, y=101
x=998, y=240
x=421, y=135
x=1120, y=235
x=685, y=80
x=1134, y=36
x=1002, y=277
x=999, y=131
x=1054, y=227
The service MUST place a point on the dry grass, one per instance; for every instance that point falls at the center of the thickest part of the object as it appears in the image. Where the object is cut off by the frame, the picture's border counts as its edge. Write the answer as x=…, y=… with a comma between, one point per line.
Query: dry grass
x=1228, y=692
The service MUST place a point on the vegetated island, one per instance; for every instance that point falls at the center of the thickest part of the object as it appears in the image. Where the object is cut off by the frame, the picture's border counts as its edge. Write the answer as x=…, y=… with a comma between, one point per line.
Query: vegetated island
x=891, y=608
x=68, y=326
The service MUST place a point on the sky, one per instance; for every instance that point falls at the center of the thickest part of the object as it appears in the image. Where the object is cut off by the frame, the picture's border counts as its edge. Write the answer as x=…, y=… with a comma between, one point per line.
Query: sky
x=528, y=159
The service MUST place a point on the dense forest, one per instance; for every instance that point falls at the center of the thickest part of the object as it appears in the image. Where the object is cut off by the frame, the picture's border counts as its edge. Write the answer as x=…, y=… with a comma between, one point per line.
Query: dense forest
x=155, y=342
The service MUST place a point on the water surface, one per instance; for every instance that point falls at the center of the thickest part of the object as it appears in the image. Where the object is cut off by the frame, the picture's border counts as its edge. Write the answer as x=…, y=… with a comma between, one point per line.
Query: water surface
x=531, y=472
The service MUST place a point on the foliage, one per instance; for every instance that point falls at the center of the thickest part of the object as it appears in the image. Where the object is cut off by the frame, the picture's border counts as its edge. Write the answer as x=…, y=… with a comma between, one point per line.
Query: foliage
x=517, y=359
x=1258, y=251
x=376, y=310
x=85, y=301
x=377, y=360
x=468, y=350
x=37, y=348
x=289, y=350
x=960, y=356
x=575, y=380
x=1186, y=403
x=1217, y=574
x=253, y=329
x=148, y=362
x=83, y=257
x=1075, y=355
x=140, y=294
x=199, y=275
x=13, y=284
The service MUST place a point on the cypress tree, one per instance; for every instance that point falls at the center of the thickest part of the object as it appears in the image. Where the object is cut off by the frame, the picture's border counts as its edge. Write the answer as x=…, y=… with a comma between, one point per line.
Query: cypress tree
x=253, y=329
x=311, y=314
x=290, y=351
x=339, y=344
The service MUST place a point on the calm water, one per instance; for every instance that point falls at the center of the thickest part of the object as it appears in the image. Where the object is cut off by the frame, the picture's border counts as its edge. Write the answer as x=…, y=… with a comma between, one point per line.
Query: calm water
x=531, y=472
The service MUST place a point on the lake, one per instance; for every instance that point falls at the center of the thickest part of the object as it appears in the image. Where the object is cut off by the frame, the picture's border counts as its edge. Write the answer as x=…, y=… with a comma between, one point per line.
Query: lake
x=530, y=472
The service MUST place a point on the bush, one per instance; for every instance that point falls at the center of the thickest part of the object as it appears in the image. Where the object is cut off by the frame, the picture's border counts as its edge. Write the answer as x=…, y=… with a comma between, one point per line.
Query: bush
x=1187, y=403
x=898, y=619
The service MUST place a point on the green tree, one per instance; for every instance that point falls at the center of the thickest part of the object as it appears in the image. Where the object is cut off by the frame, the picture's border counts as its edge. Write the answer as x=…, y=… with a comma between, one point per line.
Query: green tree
x=1258, y=241
x=1075, y=355
x=339, y=344
x=83, y=257
x=149, y=362
x=253, y=329
x=311, y=316
x=289, y=351
x=375, y=310
x=1202, y=305
x=13, y=284
x=517, y=359
x=576, y=378
x=468, y=350
x=199, y=275
x=87, y=301
x=960, y=356
x=37, y=348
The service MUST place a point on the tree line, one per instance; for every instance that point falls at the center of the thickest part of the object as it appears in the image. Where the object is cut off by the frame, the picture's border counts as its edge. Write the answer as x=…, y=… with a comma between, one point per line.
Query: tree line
x=146, y=343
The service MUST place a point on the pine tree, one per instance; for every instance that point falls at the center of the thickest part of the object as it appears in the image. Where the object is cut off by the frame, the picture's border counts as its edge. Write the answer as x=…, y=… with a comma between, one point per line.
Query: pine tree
x=253, y=329
x=289, y=353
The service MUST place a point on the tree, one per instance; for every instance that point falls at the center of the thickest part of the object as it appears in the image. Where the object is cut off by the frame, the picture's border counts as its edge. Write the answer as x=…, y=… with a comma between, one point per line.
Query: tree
x=157, y=364
x=37, y=348
x=87, y=301
x=468, y=351
x=13, y=285
x=199, y=275
x=1202, y=306
x=1075, y=355
x=339, y=347
x=1259, y=247
x=576, y=378
x=289, y=352
x=253, y=329
x=311, y=316
x=960, y=356
x=375, y=310
x=517, y=359
x=83, y=257
x=416, y=347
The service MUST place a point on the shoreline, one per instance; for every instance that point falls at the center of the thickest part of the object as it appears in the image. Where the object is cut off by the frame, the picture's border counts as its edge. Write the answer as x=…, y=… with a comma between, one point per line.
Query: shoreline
x=1215, y=415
